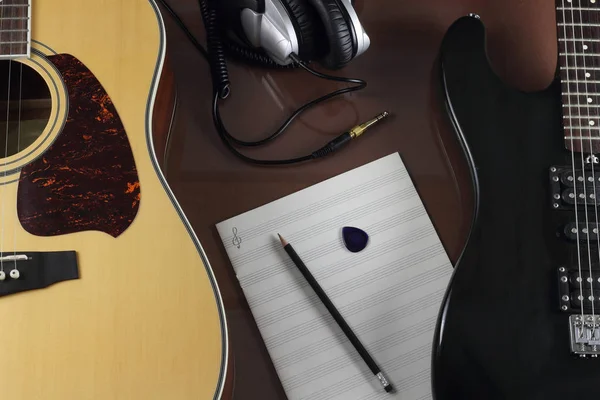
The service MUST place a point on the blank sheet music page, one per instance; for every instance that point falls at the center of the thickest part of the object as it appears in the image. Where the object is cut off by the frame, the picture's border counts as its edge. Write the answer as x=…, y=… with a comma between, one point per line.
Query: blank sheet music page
x=390, y=293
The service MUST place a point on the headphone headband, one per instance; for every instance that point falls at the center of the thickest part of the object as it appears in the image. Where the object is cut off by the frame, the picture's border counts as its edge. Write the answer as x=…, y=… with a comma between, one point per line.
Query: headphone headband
x=273, y=30
x=276, y=31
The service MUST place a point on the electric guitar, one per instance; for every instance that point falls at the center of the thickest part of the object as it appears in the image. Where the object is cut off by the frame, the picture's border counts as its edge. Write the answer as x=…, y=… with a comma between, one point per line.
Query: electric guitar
x=105, y=292
x=521, y=319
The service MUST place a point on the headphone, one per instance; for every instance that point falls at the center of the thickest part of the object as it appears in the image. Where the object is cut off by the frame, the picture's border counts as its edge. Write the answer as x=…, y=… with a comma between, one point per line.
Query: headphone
x=327, y=31
x=283, y=33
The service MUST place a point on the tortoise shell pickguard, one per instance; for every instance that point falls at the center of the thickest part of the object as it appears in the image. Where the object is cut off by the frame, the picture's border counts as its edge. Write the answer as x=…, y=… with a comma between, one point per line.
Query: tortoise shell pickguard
x=87, y=179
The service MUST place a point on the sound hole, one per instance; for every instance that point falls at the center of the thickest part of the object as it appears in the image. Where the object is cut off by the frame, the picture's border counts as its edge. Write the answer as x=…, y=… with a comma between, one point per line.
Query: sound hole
x=25, y=106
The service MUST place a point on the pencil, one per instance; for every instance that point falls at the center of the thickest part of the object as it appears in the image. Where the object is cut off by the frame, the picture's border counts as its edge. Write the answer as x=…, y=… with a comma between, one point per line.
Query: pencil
x=336, y=315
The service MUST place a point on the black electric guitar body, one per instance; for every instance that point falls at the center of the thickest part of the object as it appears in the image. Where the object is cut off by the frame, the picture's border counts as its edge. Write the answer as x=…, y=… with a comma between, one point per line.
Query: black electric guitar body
x=517, y=322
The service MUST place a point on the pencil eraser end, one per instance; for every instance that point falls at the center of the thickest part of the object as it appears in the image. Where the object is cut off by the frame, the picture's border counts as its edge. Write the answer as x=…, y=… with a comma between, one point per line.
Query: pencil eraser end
x=389, y=388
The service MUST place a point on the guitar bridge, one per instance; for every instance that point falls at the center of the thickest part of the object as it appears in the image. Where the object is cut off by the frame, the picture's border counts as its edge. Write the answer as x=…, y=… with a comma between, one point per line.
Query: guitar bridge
x=585, y=335
x=36, y=270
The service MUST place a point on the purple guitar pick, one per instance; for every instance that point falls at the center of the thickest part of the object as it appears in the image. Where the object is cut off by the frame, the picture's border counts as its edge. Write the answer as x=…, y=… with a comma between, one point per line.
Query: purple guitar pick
x=355, y=239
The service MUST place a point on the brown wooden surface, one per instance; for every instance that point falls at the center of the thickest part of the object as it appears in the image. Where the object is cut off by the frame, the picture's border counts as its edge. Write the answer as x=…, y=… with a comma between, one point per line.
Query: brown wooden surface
x=164, y=109
x=212, y=185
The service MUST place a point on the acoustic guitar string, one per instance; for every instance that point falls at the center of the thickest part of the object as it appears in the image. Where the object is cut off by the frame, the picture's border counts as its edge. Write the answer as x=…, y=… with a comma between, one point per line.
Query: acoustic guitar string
x=23, y=39
x=5, y=166
x=571, y=138
x=6, y=141
x=584, y=128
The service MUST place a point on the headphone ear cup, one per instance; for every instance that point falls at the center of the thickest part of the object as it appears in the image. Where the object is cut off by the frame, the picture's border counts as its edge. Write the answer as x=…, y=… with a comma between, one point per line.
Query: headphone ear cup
x=337, y=28
x=303, y=19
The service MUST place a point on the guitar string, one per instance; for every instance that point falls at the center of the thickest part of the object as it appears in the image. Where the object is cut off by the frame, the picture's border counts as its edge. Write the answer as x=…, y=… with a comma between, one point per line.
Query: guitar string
x=595, y=20
x=2, y=193
x=582, y=130
x=593, y=115
x=5, y=166
x=23, y=39
x=571, y=136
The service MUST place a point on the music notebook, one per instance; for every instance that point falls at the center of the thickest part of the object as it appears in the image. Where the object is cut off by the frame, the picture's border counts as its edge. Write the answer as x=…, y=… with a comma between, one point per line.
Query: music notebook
x=390, y=293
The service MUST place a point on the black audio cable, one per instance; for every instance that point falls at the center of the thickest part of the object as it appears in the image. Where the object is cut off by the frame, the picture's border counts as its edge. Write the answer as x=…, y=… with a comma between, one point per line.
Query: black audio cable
x=184, y=28
x=215, y=56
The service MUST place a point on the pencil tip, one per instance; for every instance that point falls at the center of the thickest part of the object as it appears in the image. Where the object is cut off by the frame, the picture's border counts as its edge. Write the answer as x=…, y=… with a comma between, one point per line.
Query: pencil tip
x=283, y=241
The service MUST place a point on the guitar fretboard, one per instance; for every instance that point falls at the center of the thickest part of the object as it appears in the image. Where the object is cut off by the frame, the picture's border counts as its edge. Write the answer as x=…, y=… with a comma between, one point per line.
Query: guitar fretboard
x=15, y=28
x=579, y=63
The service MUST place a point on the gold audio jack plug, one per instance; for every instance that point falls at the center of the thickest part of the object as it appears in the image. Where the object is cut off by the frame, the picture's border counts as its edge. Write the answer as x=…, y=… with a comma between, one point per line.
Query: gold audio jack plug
x=346, y=137
x=362, y=128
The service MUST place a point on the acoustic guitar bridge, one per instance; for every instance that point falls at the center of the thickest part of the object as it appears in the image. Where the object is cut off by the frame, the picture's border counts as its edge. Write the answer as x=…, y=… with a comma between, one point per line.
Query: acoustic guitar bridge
x=15, y=257
x=25, y=271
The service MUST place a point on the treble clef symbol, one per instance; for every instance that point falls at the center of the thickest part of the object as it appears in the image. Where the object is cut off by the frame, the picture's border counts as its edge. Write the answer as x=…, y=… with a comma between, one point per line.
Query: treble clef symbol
x=237, y=241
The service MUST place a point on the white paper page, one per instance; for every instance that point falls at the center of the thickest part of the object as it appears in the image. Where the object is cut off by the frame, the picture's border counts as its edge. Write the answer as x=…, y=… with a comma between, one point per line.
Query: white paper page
x=390, y=293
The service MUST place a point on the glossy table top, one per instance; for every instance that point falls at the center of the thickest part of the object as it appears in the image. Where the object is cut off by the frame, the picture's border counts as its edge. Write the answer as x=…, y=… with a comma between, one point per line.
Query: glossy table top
x=212, y=185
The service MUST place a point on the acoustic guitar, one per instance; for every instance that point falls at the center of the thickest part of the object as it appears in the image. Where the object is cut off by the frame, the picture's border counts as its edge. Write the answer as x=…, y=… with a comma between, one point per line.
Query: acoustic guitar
x=105, y=292
x=521, y=319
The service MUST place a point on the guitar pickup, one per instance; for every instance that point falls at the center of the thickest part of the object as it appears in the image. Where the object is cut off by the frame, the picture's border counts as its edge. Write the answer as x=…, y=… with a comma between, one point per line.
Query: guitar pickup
x=568, y=188
x=582, y=231
x=575, y=289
